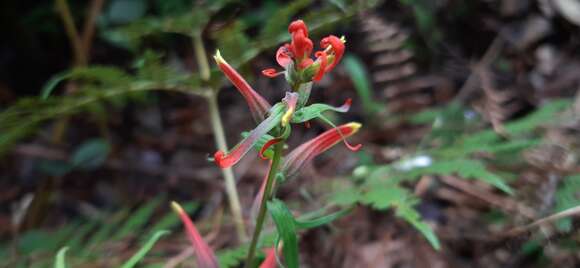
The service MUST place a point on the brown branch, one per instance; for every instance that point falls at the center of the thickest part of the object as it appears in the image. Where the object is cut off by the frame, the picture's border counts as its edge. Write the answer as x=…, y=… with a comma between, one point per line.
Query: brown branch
x=72, y=32
x=89, y=26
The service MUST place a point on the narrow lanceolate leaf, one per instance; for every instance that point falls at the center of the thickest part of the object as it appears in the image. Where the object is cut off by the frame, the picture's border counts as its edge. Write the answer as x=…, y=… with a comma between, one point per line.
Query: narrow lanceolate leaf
x=316, y=110
x=258, y=105
x=307, y=151
x=144, y=250
x=307, y=224
x=205, y=256
x=227, y=160
x=285, y=224
x=60, y=258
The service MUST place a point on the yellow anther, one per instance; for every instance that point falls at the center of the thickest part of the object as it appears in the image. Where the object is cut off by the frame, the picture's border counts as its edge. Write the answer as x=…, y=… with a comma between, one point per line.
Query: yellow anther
x=287, y=116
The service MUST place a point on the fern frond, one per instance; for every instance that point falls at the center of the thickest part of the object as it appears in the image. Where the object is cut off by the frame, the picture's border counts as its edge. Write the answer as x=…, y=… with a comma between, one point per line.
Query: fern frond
x=403, y=202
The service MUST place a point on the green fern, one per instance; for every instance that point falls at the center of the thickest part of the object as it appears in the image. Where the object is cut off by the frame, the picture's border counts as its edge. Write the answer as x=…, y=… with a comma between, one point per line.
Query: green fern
x=456, y=144
x=386, y=195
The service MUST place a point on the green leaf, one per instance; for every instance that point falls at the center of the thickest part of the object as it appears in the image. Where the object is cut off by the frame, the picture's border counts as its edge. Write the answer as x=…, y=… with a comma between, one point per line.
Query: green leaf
x=143, y=251
x=384, y=197
x=358, y=74
x=285, y=224
x=269, y=153
x=465, y=168
x=232, y=257
x=314, y=111
x=135, y=221
x=52, y=83
x=59, y=262
x=409, y=214
x=80, y=234
x=106, y=75
x=307, y=224
x=56, y=168
x=104, y=231
x=394, y=196
x=91, y=154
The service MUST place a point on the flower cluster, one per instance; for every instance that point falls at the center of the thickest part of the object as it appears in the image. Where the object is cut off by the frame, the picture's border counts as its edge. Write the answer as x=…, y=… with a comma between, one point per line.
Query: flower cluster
x=296, y=59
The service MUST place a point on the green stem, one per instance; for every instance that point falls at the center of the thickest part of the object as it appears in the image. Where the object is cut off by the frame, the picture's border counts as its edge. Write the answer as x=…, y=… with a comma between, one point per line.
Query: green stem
x=265, y=197
x=230, y=181
x=200, y=55
x=220, y=137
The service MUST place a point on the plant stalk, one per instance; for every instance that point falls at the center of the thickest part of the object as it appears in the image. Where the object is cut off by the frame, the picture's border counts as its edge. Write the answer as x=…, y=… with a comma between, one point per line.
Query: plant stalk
x=230, y=181
x=220, y=137
x=268, y=191
x=80, y=56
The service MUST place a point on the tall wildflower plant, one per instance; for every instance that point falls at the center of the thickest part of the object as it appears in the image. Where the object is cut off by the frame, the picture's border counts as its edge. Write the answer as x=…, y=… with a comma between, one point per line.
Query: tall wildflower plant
x=274, y=126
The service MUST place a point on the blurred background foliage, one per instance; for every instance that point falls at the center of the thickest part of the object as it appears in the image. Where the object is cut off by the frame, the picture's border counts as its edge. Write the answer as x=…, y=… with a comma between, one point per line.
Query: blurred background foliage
x=470, y=140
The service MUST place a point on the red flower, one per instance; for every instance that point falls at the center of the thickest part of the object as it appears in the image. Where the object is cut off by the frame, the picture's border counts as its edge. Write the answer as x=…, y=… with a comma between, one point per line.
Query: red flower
x=307, y=151
x=300, y=49
x=301, y=46
x=205, y=256
x=336, y=46
x=259, y=107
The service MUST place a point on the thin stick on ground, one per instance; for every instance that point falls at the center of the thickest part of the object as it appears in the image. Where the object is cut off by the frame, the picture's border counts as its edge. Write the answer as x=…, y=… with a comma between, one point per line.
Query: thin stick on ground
x=574, y=211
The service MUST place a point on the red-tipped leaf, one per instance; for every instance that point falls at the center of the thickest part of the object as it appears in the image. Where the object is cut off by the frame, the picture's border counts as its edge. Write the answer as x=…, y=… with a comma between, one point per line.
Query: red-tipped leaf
x=224, y=160
x=259, y=107
x=205, y=256
x=307, y=151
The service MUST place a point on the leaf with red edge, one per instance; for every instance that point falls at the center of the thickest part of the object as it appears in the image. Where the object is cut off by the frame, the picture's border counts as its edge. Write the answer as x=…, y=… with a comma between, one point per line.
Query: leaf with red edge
x=304, y=153
x=205, y=256
x=315, y=110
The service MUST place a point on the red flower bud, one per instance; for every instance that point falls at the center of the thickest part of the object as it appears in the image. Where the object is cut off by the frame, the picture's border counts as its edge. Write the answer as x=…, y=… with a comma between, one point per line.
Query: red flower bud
x=298, y=25
x=259, y=107
x=301, y=46
x=205, y=256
